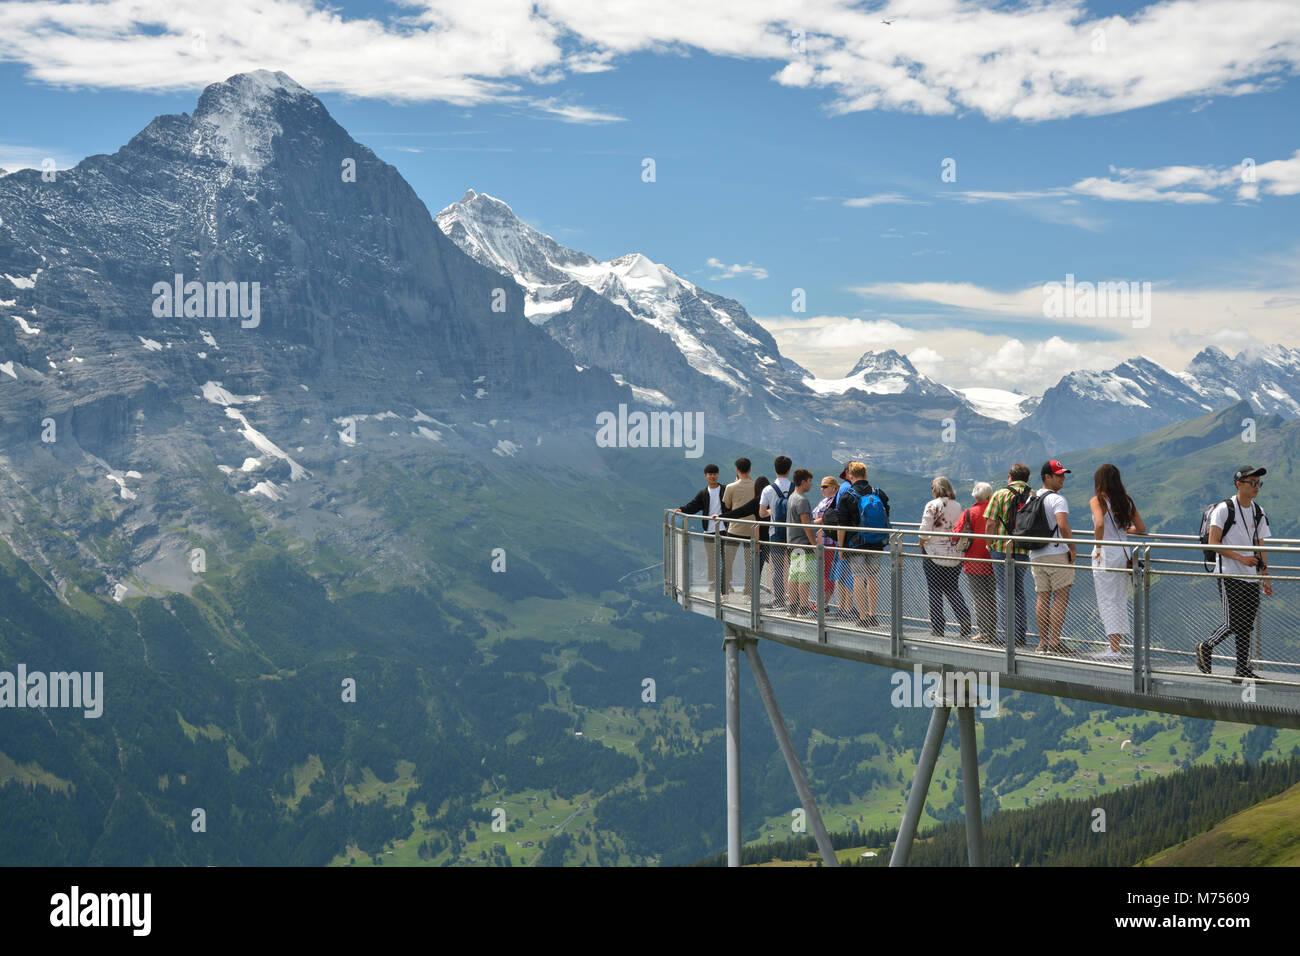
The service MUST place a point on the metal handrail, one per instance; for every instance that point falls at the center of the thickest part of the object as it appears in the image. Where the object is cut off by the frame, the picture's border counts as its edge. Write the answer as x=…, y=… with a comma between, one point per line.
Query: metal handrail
x=1160, y=668
x=1187, y=542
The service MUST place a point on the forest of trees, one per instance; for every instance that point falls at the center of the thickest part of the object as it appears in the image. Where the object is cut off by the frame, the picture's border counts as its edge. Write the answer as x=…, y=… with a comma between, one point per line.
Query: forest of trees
x=1140, y=821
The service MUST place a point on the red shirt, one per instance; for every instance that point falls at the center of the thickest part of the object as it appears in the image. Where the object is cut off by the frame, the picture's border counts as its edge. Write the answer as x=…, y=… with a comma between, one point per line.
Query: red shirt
x=979, y=548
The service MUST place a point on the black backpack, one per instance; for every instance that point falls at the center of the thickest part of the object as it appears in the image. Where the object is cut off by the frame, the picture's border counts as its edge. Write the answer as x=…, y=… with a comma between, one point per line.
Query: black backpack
x=1031, y=521
x=1211, y=558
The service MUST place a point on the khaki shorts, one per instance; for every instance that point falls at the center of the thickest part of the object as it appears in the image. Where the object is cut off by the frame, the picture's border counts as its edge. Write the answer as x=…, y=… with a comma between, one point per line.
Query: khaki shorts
x=1052, y=572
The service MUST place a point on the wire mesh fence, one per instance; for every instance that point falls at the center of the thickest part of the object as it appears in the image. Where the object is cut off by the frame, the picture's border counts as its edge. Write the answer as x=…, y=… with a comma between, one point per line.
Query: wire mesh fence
x=1153, y=598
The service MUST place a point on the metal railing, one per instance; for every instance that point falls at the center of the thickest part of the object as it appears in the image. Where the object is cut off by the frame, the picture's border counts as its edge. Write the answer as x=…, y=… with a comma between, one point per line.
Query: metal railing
x=1146, y=637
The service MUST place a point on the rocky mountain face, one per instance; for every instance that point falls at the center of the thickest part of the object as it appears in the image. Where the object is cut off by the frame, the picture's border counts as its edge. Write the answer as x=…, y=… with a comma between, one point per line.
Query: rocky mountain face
x=230, y=304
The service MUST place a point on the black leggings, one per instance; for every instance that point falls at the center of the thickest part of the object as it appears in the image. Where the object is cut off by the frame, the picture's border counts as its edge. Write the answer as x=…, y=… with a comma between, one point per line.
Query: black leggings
x=943, y=582
x=1240, y=605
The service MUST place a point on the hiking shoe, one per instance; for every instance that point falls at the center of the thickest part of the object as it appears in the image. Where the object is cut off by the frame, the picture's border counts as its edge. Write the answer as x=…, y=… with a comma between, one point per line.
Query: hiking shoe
x=1203, y=657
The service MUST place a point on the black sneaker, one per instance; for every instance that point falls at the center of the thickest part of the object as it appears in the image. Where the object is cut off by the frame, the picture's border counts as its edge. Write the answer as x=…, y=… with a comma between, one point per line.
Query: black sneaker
x=1244, y=672
x=1203, y=657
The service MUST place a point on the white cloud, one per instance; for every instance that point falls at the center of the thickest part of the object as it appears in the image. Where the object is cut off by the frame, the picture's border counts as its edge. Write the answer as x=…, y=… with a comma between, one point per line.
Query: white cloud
x=14, y=158
x=1281, y=177
x=976, y=336
x=1176, y=184
x=575, y=114
x=1024, y=59
x=1103, y=188
x=883, y=199
x=730, y=272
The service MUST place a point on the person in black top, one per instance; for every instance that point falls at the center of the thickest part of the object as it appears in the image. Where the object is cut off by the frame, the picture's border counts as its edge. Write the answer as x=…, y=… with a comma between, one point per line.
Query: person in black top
x=707, y=501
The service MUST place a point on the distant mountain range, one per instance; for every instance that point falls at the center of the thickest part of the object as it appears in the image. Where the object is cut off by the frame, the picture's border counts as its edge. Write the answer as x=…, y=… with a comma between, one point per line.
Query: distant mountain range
x=678, y=345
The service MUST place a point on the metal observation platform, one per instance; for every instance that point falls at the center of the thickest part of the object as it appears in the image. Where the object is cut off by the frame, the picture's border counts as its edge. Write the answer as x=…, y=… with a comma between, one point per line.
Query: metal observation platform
x=1173, y=604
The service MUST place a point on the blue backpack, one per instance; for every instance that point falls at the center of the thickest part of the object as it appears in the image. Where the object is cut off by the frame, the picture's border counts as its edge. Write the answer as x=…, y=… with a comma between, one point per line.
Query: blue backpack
x=873, y=512
x=779, y=513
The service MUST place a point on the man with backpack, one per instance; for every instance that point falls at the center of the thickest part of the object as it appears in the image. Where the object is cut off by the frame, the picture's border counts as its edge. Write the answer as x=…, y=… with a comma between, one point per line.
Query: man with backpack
x=999, y=517
x=1047, y=515
x=861, y=506
x=1240, y=524
x=773, y=505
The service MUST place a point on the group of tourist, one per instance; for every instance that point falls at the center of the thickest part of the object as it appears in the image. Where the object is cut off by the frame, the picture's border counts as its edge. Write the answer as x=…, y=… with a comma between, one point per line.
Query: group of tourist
x=852, y=519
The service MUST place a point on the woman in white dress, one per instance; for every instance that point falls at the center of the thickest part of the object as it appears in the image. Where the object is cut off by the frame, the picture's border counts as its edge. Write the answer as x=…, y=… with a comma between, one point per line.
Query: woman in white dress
x=1114, y=518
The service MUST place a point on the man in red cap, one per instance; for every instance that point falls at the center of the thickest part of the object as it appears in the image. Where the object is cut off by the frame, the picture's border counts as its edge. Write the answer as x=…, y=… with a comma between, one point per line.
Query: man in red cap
x=1052, y=564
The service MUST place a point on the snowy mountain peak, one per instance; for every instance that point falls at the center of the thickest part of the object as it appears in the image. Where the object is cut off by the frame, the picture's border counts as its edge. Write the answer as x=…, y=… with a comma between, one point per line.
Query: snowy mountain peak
x=488, y=229
x=237, y=119
x=715, y=336
x=884, y=362
x=880, y=372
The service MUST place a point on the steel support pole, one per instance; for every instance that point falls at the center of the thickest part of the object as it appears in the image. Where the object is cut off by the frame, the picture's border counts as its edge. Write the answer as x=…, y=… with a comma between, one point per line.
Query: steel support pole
x=731, y=642
x=920, y=785
x=821, y=588
x=755, y=581
x=896, y=595
x=1141, y=635
x=1009, y=619
x=686, y=563
x=1146, y=619
x=788, y=752
x=670, y=542
x=970, y=772
x=718, y=553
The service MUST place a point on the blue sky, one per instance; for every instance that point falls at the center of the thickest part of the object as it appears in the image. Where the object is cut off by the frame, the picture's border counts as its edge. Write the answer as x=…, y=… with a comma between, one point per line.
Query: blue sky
x=1119, y=163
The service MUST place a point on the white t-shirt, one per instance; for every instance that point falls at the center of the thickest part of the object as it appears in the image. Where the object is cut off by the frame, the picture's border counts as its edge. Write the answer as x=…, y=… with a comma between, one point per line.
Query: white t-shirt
x=715, y=507
x=1054, y=505
x=768, y=500
x=1241, y=535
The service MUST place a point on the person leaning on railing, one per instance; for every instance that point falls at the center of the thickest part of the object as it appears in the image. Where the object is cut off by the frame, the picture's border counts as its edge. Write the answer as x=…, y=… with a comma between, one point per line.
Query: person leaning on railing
x=1241, y=524
x=1114, y=518
x=707, y=501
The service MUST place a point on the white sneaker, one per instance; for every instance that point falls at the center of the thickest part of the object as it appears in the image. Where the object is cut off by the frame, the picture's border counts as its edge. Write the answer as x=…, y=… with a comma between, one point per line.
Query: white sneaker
x=1108, y=656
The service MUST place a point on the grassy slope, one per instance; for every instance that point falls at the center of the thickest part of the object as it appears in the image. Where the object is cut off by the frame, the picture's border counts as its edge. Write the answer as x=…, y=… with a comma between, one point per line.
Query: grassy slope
x=1267, y=834
x=1173, y=471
